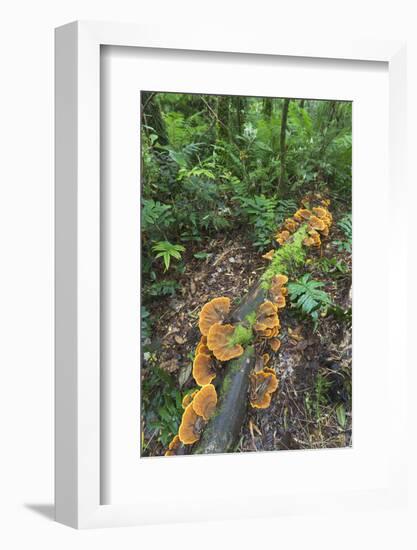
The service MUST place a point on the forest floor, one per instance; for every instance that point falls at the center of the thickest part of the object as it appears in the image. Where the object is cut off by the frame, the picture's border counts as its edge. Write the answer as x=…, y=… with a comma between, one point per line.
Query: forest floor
x=312, y=407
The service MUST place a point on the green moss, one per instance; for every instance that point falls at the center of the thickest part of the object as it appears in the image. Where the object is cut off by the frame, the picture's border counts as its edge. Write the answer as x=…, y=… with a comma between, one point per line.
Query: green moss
x=287, y=258
x=251, y=318
x=242, y=335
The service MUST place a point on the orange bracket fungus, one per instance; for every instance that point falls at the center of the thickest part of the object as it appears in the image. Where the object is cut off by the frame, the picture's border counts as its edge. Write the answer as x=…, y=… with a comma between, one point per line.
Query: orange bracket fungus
x=265, y=358
x=218, y=341
x=191, y=426
x=266, y=317
x=202, y=346
x=282, y=236
x=263, y=384
x=291, y=225
x=275, y=344
x=188, y=399
x=173, y=446
x=302, y=215
x=313, y=239
x=269, y=255
x=213, y=312
x=205, y=401
x=203, y=369
x=278, y=291
x=320, y=212
x=316, y=223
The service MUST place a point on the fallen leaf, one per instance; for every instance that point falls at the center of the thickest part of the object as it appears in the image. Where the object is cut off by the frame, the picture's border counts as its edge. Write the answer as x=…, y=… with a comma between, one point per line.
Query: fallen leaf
x=179, y=339
x=169, y=366
x=184, y=375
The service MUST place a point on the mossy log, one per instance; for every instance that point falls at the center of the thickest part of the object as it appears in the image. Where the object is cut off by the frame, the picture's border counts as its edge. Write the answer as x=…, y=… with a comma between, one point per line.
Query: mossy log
x=222, y=432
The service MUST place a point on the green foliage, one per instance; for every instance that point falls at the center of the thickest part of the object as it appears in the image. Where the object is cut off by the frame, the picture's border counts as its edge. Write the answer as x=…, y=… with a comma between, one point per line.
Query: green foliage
x=202, y=255
x=260, y=212
x=155, y=215
x=345, y=225
x=162, y=410
x=321, y=388
x=332, y=266
x=288, y=258
x=145, y=325
x=165, y=287
x=285, y=209
x=307, y=296
x=341, y=416
x=166, y=251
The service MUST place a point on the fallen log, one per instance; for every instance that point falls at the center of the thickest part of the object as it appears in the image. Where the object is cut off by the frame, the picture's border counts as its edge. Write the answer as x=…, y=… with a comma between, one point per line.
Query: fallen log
x=222, y=432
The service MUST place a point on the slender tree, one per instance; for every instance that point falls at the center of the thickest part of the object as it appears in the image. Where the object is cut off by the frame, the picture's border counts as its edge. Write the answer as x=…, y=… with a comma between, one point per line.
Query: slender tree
x=282, y=145
x=223, y=105
x=152, y=116
x=267, y=107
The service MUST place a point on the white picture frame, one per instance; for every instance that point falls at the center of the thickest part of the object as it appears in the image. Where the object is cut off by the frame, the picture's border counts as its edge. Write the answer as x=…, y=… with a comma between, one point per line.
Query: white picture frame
x=78, y=411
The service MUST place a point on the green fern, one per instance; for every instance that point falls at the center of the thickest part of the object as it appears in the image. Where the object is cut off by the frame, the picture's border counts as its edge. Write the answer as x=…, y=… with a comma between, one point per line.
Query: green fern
x=307, y=296
x=285, y=209
x=166, y=251
x=155, y=214
x=345, y=225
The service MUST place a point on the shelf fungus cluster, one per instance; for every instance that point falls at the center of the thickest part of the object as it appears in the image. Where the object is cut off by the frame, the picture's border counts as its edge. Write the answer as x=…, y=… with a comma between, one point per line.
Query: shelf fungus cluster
x=196, y=414
x=318, y=221
x=263, y=380
x=214, y=348
x=199, y=407
x=262, y=385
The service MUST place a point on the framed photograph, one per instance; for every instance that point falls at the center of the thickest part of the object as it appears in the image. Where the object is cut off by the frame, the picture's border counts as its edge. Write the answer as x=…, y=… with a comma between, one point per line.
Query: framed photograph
x=225, y=300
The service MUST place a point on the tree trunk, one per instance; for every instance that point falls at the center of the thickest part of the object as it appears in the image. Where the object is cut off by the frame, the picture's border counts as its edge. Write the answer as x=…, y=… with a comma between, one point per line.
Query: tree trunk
x=152, y=116
x=222, y=432
x=282, y=154
x=223, y=117
x=267, y=107
x=240, y=113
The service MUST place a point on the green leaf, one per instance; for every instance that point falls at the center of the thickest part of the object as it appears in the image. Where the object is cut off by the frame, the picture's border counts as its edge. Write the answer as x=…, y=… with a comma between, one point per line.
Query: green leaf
x=341, y=416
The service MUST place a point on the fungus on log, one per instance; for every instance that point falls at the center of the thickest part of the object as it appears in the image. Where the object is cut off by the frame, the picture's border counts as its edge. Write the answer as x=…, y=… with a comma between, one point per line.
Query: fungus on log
x=291, y=225
x=316, y=223
x=222, y=431
x=191, y=426
x=213, y=312
x=267, y=321
x=188, y=399
x=265, y=358
x=177, y=447
x=205, y=401
x=320, y=212
x=202, y=346
x=282, y=236
x=302, y=215
x=203, y=369
x=173, y=446
x=219, y=342
x=275, y=344
x=262, y=385
x=269, y=255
